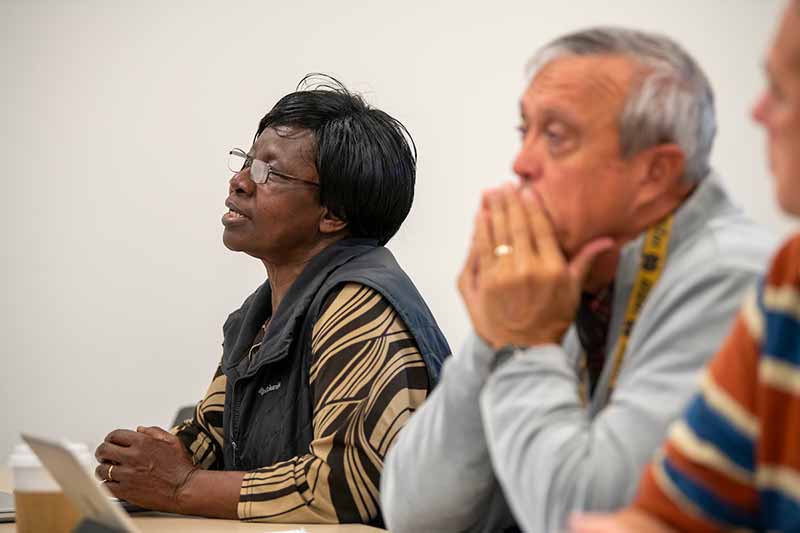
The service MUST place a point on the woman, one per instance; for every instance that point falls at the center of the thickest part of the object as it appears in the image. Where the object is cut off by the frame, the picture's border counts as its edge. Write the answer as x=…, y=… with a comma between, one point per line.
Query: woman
x=323, y=364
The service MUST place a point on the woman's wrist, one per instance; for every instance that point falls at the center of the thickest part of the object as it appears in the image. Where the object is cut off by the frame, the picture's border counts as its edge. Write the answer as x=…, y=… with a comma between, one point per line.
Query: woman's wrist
x=182, y=495
x=211, y=493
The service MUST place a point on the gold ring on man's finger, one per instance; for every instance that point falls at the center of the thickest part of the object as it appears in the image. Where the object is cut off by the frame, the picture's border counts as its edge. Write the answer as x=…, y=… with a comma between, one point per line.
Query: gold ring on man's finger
x=503, y=249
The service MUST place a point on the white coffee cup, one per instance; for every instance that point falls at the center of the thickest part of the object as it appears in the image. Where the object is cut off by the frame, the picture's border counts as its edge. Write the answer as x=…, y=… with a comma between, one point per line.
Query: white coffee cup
x=40, y=503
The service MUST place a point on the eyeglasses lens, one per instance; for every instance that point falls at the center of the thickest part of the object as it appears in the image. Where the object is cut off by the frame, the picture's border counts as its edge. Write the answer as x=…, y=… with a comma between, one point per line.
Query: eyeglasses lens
x=258, y=171
x=236, y=161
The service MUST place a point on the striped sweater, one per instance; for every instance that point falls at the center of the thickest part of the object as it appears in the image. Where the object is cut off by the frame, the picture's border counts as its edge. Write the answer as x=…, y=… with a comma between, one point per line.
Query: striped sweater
x=367, y=377
x=733, y=460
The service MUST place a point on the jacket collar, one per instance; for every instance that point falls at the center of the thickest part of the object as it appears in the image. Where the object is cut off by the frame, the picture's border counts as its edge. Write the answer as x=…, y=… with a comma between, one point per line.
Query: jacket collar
x=708, y=200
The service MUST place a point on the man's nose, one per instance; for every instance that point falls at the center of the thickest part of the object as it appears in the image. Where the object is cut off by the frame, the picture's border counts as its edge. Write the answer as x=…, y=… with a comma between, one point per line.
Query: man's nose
x=759, y=112
x=240, y=183
x=528, y=163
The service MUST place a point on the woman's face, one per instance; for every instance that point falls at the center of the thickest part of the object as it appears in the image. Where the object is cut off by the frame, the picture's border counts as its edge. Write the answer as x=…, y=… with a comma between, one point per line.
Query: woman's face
x=277, y=221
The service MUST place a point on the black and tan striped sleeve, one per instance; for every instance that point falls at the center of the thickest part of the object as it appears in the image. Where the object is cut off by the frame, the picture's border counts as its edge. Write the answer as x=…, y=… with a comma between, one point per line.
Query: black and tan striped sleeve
x=367, y=377
x=202, y=435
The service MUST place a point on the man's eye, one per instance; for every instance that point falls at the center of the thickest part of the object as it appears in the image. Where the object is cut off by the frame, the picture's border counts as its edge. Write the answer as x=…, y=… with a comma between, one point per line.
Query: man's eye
x=560, y=139
x=553, y=136
x=523, y=130
x=775, y=91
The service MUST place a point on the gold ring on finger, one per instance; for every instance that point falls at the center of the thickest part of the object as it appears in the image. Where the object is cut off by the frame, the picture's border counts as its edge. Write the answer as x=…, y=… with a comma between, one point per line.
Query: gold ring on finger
x=502, y=250
x=108, y=474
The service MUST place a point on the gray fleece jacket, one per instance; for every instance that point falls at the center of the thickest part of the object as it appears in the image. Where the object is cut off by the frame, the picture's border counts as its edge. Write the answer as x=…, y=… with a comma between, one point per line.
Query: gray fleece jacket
x=489, y=448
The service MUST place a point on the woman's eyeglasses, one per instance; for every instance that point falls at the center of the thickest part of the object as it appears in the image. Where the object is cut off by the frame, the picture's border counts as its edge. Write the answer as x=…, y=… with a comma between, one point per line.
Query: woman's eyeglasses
x=260, y=171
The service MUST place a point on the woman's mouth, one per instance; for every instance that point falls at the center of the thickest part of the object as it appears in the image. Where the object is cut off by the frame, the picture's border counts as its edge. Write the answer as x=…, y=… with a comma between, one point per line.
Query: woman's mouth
x=233, y=216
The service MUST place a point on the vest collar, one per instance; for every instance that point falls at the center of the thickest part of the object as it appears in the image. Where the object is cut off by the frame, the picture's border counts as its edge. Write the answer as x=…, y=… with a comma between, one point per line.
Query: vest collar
x=287, y=320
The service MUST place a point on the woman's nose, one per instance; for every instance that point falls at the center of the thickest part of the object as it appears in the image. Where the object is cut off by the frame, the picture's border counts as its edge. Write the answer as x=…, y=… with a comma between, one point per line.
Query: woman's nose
x=241, y=183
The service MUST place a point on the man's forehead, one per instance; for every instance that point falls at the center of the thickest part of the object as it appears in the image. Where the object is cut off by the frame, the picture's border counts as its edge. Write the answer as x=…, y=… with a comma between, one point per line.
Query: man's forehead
x=583, y=81
x=786, y=50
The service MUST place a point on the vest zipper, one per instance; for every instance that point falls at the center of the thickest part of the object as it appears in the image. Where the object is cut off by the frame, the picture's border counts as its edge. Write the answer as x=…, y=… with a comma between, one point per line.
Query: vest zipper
x=235, y=424
x=235, y=428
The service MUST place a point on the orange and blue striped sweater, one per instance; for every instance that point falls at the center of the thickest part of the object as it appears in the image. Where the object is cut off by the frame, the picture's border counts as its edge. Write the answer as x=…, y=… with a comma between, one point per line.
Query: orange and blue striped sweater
x=733, y=460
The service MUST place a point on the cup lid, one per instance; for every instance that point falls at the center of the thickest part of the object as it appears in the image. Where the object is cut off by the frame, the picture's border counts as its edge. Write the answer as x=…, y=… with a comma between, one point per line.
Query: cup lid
x=23, y=457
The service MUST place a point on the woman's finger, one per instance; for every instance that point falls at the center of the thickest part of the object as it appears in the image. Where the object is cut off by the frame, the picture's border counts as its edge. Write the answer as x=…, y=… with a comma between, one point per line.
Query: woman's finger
x=108, y=452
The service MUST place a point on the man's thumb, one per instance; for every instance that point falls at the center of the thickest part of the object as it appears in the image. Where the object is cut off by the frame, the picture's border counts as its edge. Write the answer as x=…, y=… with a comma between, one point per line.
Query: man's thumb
x=581, y=263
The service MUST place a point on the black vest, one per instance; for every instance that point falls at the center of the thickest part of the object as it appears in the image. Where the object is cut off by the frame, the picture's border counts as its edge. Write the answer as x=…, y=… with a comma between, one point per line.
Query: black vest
x=268, y=404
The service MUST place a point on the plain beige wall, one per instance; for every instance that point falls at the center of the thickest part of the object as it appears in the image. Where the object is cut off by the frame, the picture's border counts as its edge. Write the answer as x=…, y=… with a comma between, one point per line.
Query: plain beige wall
x=116, y=122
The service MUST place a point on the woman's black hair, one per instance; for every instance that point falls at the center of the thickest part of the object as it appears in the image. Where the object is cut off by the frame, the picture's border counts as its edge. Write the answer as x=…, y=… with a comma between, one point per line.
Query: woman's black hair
x=366, y=160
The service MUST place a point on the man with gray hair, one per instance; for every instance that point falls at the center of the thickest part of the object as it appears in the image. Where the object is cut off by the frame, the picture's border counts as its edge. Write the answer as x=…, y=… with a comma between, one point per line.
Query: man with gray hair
x=597, y=287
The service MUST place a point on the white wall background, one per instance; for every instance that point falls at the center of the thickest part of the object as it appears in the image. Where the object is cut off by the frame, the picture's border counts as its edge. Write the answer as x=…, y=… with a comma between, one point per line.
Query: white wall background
x=116, y=121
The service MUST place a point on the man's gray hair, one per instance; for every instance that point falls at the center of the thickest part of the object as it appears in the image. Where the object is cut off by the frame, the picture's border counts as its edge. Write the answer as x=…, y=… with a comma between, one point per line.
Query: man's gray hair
x=672, y=102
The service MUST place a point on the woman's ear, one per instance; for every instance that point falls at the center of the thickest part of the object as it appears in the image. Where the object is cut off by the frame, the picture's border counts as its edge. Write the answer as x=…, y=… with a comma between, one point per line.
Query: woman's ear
x=330, y=223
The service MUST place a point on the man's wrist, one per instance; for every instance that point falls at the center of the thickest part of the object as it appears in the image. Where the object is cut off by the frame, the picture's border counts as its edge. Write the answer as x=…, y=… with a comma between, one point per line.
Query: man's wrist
x=541, y=337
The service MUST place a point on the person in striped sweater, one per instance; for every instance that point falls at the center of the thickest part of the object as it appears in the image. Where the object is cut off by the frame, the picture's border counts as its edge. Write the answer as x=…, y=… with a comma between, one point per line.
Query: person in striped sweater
x=733, y=461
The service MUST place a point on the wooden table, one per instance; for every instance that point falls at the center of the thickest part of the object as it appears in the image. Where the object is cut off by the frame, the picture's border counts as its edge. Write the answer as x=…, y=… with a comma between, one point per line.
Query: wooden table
x=152, y=522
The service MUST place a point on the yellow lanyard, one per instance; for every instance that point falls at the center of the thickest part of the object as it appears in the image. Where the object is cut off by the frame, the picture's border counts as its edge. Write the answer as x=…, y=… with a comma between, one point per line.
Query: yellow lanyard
x=654, y=255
